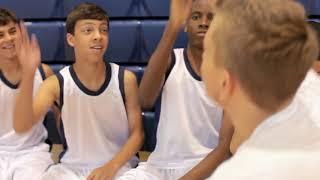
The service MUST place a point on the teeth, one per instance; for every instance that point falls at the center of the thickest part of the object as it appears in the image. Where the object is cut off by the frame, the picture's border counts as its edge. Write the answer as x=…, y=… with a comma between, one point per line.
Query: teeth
x=8, y=46
x=97, y=47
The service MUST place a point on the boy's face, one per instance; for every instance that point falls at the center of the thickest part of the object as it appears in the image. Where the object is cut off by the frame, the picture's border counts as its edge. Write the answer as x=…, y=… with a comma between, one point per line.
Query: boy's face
x=213, y=75
x=316, y=66
x=199, y=21
x=8, y=36
x=90, y=39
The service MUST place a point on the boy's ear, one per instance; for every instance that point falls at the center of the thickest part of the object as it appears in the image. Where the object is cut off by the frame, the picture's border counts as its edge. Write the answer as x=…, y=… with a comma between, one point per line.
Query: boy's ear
x=70, y=39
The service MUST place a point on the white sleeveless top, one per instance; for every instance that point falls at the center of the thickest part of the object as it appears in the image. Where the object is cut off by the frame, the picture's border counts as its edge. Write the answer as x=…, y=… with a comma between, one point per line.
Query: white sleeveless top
x=285, y=145
x=10, y=141
x=94, y=124
x=189, y=122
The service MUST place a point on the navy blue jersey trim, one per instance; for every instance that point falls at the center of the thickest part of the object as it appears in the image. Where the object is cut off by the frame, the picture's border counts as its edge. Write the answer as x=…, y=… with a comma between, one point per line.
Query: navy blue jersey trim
x=7, y=82
x=63, y=140
x=41, y=70
x=121, y=83
x=189, y=67
x=85, y=89
x=61, y=85
x=172, y=63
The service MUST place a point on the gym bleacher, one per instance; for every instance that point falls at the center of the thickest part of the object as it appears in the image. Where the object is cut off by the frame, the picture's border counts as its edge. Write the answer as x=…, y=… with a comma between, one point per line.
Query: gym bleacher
x=135, y=29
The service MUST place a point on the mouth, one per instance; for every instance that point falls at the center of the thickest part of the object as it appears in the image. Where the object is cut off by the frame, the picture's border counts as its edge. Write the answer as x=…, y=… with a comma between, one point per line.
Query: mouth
x=97, y=48
x=201, y=33
x=8, y=46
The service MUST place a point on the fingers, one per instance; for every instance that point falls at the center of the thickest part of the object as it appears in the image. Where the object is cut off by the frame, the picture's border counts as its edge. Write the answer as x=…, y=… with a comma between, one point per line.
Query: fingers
x=90, y=177
x=24, y=33
x=34, y=43
x=23, y=40
x=188, y=7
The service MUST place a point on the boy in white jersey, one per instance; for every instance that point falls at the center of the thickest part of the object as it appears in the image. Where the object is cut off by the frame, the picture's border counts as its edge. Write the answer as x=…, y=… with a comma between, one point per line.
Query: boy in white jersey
x=255, y=78
x=100, y=112
x=22, y=156
x=189, y=123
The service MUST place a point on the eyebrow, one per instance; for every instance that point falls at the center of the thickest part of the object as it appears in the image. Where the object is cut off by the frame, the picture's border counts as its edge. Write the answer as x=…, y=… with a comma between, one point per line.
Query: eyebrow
x=196, y=12
x=90, y=23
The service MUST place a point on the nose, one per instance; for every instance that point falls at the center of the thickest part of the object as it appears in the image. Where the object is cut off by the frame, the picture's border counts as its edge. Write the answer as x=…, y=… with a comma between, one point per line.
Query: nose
x=97, y=36
x=204, y=23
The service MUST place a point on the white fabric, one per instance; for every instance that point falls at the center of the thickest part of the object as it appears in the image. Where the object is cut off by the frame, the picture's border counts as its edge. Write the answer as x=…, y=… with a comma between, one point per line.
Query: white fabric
x=284, y=146
x=22, y=156
x=189, y=121
x=95, y=126
x=188, y=127
x=9, y=140
x=65, y=172
x=145, y=171
x=26, y=165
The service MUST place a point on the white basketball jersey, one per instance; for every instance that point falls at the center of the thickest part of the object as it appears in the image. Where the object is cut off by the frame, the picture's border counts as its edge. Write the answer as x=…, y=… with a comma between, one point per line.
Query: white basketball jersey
x=9, y=140
x=189, y=122
x=94, y=124
x=286, y=145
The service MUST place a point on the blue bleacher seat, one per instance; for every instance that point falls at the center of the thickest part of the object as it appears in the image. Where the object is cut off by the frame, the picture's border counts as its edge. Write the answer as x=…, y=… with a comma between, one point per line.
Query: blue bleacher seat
x=46, y=9
x=137, y=70
x=124, y=42
x=34, y=9
x=129, y=41
x=151, y=35
x=150, y=128
x=50, y=124
x=56, y=67
x=312, y=6
x=51, y=36
x=126, y=8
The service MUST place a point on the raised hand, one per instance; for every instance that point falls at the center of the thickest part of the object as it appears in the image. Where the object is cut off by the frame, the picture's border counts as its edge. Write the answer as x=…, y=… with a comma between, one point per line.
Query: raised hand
x=28, y=50
x=179, y=12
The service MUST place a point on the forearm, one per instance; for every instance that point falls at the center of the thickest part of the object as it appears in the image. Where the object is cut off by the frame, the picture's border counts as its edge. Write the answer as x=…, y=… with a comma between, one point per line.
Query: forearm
x=132, y=146
x=154, y=74
x=23, y=112
x=208, y=165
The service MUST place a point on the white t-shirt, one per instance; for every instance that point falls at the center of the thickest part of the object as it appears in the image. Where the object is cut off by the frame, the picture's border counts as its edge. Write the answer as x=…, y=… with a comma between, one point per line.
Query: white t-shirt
x=286, y=146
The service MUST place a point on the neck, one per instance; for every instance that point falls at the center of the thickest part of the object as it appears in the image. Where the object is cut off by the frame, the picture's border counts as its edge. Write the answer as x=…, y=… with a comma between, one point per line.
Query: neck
x=247, y=116
x=11, y=69
x=195, y=58
x=89, y=71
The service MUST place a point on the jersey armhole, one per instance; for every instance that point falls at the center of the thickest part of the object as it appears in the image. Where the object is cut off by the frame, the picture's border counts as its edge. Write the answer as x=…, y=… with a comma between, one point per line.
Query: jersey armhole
x=121, y=83
x=172, y=63
x=41, y=70
x=61, y=85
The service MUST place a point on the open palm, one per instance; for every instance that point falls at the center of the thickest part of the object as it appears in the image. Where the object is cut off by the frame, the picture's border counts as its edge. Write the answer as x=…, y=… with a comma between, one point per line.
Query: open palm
x=180, y=11
x=28, y=50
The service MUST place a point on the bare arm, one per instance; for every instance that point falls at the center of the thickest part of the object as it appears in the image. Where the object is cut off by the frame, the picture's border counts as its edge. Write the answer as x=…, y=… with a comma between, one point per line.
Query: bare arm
x=154, y=75
x=207, y=166
x=47, y=70
x=136, y=136
x=27, y=111
x=133, y=108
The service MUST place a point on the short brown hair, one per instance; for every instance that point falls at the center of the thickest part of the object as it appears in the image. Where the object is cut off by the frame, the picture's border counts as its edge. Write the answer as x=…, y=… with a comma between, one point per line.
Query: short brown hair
x=267, y=45
x=7, y=16
x=85, y=11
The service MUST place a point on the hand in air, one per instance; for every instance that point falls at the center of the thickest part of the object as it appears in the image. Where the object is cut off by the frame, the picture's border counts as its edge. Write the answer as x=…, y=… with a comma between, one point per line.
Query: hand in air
x=180, y=11
x=28, y=50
